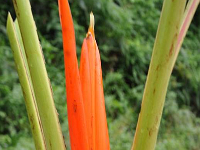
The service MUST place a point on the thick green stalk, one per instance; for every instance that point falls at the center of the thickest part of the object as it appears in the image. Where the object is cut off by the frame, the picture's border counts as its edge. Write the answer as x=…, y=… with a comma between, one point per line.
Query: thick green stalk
x=40, y=80
x=159, y=74
x=26, y=85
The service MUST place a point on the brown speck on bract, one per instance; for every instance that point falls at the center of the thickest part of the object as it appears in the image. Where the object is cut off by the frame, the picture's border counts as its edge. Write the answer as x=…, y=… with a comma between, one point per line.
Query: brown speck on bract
x=171, y=50
x=24, y=94
x=33, y=127
x=31, y=119
x=158, y=67
x=50, y=144
x=75, y=106
x=154, y=91
x=15, y=3
x=150, y=131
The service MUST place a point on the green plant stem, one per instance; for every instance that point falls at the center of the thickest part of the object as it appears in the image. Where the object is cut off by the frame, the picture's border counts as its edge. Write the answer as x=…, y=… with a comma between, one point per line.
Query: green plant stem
x=26, y=85
x=40, y=80
x=19, y=38
x=159, y=74
x=187, y=18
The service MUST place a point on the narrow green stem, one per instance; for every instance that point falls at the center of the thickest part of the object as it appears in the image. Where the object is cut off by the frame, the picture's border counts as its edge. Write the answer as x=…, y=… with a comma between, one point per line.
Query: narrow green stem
x=159, y=74
x=19, y=38
x=186, y=21
x=24, y=77
x=42, y=88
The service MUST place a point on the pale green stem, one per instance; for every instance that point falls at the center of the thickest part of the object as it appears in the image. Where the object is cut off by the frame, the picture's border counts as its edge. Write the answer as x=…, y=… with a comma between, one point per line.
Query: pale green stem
x=19, y=37
x=187, y=18
x=42, y=88
x=25, y=81
x=159, y=74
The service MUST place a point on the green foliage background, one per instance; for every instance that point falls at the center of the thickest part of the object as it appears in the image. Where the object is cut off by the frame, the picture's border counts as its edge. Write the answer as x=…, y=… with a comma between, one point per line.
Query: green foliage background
x=125, y=32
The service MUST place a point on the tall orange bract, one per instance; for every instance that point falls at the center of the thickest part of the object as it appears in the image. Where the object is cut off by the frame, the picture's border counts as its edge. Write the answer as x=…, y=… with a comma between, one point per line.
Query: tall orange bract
x=87, y=74
x=101, y=129
x=95, y=111
x=76, y=115
x=85, y=98
x=91, y=57
x=86, y=90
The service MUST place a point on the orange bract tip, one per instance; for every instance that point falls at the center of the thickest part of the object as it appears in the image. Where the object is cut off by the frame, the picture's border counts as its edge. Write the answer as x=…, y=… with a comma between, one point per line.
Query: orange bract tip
x=91, y=27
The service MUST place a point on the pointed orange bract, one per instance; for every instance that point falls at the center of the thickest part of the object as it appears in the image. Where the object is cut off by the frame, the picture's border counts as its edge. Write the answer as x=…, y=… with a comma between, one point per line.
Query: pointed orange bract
x=86, y=90
x=92, y=89
x=91, y=56
x=102, y=137
x=75, y=109
x=87, y=75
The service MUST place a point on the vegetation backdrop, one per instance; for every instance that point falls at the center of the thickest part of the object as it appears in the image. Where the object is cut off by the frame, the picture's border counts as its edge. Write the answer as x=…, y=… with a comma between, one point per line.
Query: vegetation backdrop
x=125, y=32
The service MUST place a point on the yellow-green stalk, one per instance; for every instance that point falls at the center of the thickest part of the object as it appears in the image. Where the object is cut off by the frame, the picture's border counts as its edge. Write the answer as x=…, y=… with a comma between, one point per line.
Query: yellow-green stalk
x=161, y=66
x=24, y=77
x=19, y=37
x=42, y=88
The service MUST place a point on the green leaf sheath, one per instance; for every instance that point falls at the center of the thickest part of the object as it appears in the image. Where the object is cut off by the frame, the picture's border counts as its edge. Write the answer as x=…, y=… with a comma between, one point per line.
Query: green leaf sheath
x=42, y=88
x=19, y=37
x=27, y=89
x=159, y=74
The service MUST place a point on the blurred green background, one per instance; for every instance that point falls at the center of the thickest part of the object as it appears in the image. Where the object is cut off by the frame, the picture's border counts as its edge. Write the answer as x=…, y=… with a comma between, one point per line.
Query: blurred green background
x=125, y=32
